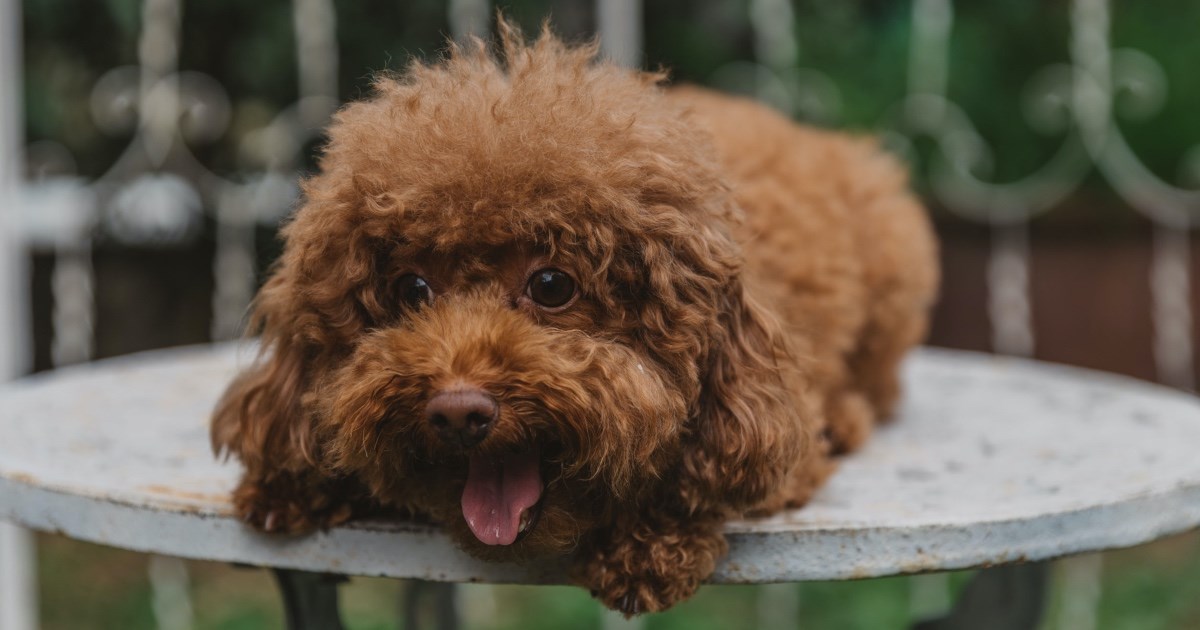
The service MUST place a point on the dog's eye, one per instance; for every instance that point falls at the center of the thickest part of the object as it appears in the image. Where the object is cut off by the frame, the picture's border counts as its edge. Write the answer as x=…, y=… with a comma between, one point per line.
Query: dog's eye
x=551, y=288
x=414, y=291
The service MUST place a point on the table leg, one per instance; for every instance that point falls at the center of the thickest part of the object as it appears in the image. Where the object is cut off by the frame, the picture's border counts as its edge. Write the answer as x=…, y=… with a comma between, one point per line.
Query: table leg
x=431, y=602
x=18, y=579
x=1011, y=597
x=310, y=600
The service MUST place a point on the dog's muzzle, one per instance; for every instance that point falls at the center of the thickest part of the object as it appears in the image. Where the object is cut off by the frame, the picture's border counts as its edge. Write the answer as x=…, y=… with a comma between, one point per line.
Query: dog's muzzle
x=501, y=494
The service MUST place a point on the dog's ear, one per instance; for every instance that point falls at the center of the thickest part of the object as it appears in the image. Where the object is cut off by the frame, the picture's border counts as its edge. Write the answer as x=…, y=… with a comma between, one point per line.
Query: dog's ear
x=748, y=428
x=748, y=419
x=259, y=417
x=322, y=293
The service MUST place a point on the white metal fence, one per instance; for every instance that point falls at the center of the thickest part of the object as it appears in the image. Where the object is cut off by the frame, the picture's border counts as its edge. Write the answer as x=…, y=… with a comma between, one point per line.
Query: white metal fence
x=17, y=597
x=158, y=191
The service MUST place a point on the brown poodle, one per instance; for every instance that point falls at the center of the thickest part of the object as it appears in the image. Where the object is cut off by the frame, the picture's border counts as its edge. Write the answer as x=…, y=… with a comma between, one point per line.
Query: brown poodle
x=561, y=310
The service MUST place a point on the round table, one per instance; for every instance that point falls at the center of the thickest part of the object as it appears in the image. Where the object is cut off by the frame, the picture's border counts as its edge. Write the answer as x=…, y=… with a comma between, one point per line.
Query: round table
x=990, y=461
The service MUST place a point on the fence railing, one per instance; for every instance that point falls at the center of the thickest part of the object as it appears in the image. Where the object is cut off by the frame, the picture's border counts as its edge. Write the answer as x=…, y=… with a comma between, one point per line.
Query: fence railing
x=17, y=561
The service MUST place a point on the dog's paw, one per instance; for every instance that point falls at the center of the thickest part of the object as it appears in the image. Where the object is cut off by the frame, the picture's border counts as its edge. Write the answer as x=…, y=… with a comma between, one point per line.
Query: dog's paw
x=634, y=594
x=629, y=605
x=649, y=570
x=290, y=507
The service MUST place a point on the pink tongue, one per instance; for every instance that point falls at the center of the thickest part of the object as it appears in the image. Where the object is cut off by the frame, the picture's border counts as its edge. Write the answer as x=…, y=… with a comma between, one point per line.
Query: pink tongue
x=498, y=490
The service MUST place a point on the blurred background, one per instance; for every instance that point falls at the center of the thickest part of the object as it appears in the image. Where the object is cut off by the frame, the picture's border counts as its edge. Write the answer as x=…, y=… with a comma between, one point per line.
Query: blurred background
x=157, y=144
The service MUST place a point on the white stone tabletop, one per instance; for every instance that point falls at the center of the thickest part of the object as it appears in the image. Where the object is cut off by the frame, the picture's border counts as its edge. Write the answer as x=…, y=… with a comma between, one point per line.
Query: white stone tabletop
x=990, y=460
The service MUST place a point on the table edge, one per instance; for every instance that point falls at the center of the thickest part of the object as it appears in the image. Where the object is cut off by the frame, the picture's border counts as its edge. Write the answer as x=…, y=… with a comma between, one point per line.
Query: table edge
x=765, y=556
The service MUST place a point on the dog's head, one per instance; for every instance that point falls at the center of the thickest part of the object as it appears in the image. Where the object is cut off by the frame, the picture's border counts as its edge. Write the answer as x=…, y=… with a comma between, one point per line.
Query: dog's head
x=511, y=299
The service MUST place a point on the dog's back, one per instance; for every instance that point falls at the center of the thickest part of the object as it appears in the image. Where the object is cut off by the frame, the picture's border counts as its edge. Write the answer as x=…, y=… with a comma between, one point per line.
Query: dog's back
x=835, y=245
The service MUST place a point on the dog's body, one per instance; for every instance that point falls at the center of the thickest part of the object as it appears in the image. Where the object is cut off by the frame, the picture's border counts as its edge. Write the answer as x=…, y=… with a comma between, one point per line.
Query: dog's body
x=521, y=299
x=837, y=249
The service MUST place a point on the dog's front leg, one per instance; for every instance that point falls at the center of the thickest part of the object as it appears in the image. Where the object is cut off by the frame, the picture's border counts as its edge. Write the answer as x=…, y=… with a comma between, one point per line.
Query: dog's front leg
x=296, y=503
x=648, y=563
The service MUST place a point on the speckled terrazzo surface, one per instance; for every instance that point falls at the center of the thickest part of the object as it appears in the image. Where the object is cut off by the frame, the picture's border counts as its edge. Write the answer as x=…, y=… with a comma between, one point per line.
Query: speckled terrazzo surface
x=990, y=460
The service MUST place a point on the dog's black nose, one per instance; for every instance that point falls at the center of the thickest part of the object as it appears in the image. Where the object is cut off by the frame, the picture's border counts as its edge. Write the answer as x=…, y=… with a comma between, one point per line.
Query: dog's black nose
x=462, y=416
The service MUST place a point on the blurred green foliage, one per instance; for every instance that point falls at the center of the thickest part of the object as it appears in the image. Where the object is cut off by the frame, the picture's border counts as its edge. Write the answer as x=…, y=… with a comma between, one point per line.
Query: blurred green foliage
x=1154, y=587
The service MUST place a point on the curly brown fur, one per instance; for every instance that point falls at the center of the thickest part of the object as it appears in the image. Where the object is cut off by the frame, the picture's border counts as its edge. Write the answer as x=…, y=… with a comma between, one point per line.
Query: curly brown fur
x=745, y=291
